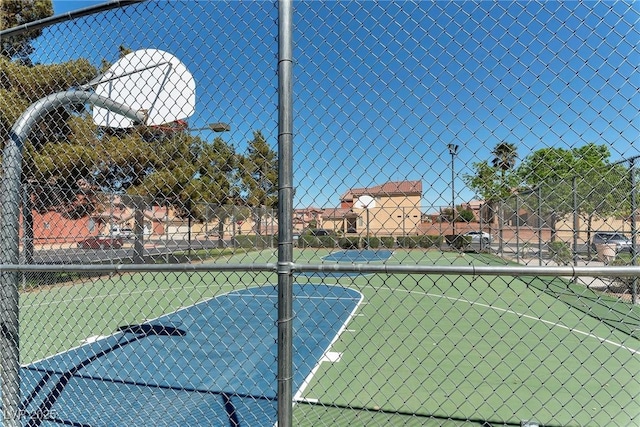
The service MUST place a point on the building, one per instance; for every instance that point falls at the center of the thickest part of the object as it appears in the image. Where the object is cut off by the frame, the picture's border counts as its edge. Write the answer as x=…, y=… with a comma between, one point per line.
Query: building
x=395, y=210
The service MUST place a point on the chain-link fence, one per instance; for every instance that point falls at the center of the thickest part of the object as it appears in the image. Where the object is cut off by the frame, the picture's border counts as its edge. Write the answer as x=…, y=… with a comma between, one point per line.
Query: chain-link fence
x=320, y=213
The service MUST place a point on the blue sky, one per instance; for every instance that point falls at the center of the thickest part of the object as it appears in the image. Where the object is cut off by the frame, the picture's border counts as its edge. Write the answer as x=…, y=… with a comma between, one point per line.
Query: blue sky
x=63, y=6
x=381, y=88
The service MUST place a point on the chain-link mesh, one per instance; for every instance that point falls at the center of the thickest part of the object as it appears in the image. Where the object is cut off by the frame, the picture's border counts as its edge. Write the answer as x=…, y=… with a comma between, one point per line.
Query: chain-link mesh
x=460, y=247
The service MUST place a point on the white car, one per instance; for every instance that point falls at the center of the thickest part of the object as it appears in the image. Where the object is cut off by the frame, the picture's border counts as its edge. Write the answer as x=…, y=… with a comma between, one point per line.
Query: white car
x=126, y=233
x=479, y=237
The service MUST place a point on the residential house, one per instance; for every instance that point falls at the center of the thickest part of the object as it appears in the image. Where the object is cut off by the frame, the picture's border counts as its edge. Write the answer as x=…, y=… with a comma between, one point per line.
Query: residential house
x=307, y=218
x=395, y=211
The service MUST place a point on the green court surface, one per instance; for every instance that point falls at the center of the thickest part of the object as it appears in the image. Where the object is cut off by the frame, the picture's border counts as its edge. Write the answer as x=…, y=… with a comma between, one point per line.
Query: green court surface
x=420, y=350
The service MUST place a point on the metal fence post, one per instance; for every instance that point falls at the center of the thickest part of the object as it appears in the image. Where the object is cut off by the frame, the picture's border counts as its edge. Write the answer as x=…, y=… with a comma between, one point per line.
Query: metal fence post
x=285, y=214
x=576, y=225
x=9, y=335
x=634, y=252
x=540, y=224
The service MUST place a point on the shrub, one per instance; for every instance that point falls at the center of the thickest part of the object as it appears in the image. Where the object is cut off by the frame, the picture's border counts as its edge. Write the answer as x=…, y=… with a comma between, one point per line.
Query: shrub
x=465, y=215
x=388, y=242
x=458, y=241
x=308, y=241
x=327, y=241
x=352, y=242
x=560, y=252
x=374, y=242
x=428, y=241
x=408, y=241
x=251, y=241
x=621, y=284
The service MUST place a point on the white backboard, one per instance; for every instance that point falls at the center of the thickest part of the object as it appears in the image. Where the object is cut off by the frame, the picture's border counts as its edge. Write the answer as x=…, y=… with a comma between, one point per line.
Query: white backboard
x=150, y=80
x=365, y=202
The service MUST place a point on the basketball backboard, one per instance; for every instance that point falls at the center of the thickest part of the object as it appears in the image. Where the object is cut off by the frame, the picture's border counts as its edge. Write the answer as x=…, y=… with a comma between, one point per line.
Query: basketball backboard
x=148, y=80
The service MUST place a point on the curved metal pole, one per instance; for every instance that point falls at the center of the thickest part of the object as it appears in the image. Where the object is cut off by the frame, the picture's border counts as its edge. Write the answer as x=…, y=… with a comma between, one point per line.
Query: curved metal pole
x=9, y=235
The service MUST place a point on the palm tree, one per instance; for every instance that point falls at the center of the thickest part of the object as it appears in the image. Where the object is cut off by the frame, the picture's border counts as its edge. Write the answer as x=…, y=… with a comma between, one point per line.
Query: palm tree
x=505, y=159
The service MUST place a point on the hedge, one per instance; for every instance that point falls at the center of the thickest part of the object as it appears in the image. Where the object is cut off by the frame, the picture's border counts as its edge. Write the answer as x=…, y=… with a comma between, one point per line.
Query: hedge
x=309, y=241
x=388, y=242
x=560, y=252
x=409, y=241
x=428, y=241
x=458, y=241
x=351, y=242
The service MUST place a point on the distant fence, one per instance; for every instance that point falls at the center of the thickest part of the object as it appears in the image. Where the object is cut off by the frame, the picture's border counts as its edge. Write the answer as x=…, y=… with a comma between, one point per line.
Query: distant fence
x=243, y=144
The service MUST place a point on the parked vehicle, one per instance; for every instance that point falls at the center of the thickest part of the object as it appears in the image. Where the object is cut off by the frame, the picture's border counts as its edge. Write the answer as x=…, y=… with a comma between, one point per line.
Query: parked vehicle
x=101, y=242
x=622, y=242
x=117, y=231
x=479, y=237
x=321, y=232
x=127, y=233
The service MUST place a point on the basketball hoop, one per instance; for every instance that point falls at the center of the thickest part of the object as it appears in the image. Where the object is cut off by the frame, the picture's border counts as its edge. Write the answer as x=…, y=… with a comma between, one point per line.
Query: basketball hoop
x=147, y=80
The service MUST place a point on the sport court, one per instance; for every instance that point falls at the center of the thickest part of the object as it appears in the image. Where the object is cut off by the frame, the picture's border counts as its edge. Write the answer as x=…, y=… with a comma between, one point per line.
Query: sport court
x=481, y=348
x=215, y=360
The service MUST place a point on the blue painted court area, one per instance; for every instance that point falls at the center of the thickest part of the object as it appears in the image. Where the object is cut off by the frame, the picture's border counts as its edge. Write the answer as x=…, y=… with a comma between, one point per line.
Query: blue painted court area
x=349, y=256
x=359, y=255
x=211, y=364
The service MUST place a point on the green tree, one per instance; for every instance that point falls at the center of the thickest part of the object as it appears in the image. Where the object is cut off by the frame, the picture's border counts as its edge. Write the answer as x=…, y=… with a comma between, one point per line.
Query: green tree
x=259, y=174
x=21, y=86
x=505, y=155
x=495, y=181
x=546, y=183
x=556, y=175
x=216, y=184
x=465, y=215
x=52, y=166
x=18, y=12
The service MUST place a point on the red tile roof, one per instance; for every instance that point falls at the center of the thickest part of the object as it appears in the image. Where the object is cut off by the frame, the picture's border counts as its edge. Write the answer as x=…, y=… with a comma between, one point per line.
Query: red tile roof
x=399, y=188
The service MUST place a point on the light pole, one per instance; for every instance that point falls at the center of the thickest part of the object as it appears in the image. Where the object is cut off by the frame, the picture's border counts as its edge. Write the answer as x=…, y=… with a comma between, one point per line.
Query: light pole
x=453, y=150
x=215, y=127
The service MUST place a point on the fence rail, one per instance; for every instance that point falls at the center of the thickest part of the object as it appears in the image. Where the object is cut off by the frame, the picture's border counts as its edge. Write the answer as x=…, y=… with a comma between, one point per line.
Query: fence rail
x=319, y=213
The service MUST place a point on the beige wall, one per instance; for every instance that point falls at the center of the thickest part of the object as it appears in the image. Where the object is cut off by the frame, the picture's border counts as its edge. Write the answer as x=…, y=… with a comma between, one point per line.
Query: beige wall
x=565, y=227
x=392, y=216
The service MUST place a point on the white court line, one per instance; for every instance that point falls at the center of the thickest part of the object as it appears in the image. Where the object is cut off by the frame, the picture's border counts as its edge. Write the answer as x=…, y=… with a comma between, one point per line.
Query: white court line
x=134, y=292
x=327, y=354
x=83, y=342
x=504, y=310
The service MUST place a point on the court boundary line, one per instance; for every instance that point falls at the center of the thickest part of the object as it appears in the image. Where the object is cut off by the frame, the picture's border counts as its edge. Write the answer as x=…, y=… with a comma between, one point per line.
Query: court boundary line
x=222, y=393
x=522, y=315
x=298, y=396
x=113, y=334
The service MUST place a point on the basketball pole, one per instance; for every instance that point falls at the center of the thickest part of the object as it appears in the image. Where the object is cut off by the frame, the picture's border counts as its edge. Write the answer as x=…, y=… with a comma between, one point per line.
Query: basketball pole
x=10, y=235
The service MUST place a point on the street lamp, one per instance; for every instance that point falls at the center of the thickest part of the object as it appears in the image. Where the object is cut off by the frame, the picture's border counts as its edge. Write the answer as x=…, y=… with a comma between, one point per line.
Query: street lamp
x=453, y=150
x=216, y=127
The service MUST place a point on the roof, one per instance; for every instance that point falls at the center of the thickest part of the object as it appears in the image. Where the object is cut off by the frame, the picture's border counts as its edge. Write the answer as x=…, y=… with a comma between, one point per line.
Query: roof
x=393, y=188
x=338, y=213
